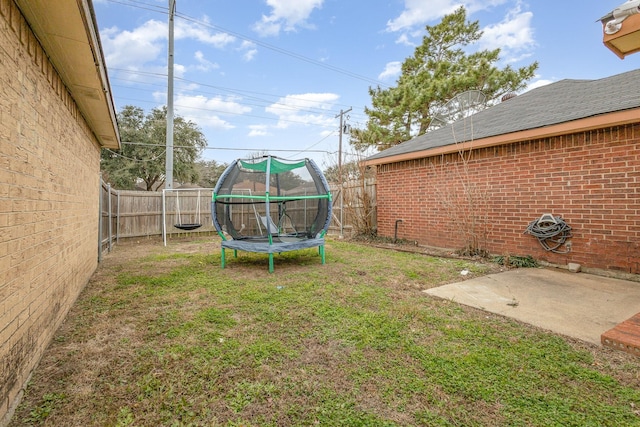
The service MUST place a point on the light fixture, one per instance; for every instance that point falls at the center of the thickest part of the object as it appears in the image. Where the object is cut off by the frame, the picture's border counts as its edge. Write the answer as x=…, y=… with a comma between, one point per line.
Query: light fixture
x=622, y=39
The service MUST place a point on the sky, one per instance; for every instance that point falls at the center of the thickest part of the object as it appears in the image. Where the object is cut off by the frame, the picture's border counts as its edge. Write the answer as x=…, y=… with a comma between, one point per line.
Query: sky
x=274, y=76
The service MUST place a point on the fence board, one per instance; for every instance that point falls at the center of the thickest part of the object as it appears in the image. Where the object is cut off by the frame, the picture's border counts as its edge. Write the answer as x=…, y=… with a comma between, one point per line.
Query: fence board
x=130, y=214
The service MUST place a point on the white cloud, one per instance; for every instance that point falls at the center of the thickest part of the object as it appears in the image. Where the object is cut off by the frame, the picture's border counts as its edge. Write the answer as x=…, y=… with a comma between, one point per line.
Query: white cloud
x=392, y=69
x=189, y=30
x=257, y=130
x=148, y=43
x=185, y=86
x=249, y=50
x=404, y=39
x=132, y=49
x=249, y=55
x=206, y=112
x=513, y=35
x=538, y=83
x=306, y=109
x=419, y=12
x=179, y=70
x=203, y=63
x=286, y=15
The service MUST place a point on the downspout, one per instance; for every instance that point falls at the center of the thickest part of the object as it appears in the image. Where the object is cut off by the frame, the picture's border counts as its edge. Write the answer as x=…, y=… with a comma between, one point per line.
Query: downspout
x=395, y=234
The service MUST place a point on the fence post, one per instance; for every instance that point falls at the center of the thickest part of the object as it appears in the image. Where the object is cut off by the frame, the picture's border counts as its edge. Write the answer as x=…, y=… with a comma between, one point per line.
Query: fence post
x=100, y=221
x=164, y=218
x=109, y=216
x=118, y=217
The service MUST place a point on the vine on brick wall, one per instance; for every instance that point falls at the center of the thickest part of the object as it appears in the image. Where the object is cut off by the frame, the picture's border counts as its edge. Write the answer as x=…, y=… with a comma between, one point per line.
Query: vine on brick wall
x=466, y=201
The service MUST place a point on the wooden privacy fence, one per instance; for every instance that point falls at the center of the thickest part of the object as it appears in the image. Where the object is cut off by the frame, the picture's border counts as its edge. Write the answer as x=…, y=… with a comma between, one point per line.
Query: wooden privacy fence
x=354, y=207
x=135, y=214
x=107, y=222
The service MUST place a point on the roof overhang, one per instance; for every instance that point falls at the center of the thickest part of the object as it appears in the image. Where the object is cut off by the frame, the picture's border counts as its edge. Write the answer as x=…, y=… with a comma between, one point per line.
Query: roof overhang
x=68, y=32
x=582, y=125
x=627, y=40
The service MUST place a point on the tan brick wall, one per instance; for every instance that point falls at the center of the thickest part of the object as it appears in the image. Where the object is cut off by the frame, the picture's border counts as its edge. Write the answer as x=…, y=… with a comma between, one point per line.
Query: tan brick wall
x=591, y=179
x=49, y=189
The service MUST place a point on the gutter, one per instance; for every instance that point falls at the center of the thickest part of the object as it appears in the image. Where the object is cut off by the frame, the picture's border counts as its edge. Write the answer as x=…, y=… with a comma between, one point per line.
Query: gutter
x=581, y=125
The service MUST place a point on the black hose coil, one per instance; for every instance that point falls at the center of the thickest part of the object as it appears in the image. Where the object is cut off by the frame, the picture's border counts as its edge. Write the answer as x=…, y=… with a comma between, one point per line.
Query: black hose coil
x=551, y=231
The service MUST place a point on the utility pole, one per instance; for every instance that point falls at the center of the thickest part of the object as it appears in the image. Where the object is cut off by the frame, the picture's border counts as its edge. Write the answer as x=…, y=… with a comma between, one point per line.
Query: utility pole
x=340, y=179
x=168, y=177
x=341, y=115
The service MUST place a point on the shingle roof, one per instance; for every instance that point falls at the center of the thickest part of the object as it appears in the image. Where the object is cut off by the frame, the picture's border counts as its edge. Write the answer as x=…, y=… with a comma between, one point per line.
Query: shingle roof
x=558, y=102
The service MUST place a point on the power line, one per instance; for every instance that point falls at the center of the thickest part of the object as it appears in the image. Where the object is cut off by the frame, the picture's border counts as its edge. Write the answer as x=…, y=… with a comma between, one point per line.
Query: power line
x=134, y=159
x=313, y=145
x=279, y=119
x=244, y=93
x=162, y=10
x=282, y=51
x=225, y=148
x=142, y=5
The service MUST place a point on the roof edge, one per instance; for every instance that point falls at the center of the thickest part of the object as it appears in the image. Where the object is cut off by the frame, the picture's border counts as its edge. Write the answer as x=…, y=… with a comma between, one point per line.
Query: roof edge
x=96, y=45
x=574, y=126
x=68, y=32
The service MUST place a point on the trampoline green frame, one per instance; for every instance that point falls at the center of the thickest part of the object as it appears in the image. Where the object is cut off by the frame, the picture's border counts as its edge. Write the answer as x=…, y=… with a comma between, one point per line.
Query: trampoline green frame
x=273, y=242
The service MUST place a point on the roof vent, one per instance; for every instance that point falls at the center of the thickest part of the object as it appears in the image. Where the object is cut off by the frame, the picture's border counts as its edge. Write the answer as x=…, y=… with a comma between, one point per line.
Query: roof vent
x=507, y=96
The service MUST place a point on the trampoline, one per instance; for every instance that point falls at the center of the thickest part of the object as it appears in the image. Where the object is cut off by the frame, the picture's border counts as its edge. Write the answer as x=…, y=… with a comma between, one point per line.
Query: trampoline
x=271, y=205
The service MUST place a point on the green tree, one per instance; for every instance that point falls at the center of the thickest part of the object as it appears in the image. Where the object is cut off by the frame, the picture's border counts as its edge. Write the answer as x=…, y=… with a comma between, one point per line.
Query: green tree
x=351, y=171
x=440, y=68
x=143, y=153
x=210, y=171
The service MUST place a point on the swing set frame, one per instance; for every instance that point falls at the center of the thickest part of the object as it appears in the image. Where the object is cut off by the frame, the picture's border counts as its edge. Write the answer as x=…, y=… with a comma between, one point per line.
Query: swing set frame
x=178, y=215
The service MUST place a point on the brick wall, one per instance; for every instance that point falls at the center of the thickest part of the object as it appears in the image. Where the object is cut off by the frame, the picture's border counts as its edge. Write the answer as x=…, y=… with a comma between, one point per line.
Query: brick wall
x=49, y=186
x=591, y=180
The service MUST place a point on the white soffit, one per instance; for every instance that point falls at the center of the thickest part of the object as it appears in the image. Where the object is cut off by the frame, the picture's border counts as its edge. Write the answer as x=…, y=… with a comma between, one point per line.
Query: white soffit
x=67, y=31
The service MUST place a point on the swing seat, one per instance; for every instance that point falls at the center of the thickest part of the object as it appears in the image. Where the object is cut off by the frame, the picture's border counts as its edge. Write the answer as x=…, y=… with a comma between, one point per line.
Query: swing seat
x=271, y=225
x=187, y=226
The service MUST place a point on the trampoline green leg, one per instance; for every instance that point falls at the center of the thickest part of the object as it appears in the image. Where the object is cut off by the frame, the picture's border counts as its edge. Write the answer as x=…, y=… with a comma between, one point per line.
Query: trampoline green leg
x=321, y=250
x=235, y=253
x=222, y=258
x=270, y=263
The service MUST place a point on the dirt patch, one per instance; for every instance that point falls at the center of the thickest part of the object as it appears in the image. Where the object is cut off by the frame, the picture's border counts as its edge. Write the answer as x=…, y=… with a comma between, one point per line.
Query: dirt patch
x=164, y=336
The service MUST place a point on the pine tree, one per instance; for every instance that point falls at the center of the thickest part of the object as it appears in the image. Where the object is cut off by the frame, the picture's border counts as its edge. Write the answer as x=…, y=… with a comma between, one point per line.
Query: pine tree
x=440, y=68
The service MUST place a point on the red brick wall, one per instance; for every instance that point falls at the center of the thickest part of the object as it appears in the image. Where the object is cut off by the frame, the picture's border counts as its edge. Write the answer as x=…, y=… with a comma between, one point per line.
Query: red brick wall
x=591, y=180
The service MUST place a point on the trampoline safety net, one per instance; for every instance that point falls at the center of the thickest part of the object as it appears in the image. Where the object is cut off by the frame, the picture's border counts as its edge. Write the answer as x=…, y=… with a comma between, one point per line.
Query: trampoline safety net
x=271, y=205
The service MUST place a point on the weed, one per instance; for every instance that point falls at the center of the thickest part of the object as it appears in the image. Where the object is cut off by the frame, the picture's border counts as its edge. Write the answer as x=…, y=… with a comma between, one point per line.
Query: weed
x=48, y=404
x=246, y=393
x=515, y=261
x=173, y=339
x=125, y=417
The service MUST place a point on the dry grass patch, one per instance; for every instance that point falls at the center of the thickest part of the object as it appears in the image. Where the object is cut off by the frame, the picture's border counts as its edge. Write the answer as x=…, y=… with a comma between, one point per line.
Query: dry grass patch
x=163, y=336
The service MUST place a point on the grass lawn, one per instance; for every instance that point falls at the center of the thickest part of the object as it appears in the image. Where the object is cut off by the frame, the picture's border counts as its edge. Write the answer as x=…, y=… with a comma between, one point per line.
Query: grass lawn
x=164, y=337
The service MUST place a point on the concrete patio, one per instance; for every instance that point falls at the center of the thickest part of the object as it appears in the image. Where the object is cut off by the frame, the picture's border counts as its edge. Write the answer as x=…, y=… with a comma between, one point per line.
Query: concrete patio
x=578, y=305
